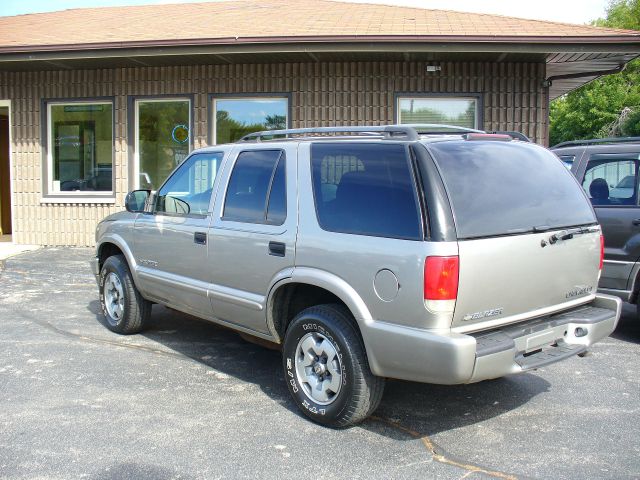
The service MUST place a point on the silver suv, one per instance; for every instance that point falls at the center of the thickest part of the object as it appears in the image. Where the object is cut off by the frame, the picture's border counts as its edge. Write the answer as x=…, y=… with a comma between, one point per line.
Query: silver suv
x=365, y=253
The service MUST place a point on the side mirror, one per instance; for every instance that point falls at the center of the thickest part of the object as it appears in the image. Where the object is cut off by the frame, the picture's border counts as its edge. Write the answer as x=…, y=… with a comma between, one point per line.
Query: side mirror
x=136, y=200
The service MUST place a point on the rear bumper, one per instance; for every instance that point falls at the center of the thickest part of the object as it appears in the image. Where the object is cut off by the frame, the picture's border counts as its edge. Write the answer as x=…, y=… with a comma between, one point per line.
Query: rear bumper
x=451, y=358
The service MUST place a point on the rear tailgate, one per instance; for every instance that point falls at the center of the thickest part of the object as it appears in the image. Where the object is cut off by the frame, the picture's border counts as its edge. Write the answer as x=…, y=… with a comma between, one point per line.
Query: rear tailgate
x=528, y=239
x=506, y=279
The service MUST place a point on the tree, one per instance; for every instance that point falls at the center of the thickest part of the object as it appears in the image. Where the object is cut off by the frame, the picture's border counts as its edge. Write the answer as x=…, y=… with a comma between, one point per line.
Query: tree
x=595, y=109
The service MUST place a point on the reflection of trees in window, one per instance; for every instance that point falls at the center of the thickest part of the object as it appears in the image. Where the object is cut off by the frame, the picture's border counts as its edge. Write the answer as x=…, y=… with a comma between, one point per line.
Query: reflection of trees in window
x=159, y=152
x=275, y=122
x=81, y=147
x=230, y=129
x=412, y=112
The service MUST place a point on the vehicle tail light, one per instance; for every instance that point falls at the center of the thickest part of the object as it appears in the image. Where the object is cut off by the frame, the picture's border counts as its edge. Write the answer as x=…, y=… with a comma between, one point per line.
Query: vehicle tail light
x=601, y=251
x=441, y=278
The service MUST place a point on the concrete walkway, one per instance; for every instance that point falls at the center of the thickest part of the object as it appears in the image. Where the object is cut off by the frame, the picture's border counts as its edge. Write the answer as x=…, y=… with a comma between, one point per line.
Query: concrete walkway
x=9, y=249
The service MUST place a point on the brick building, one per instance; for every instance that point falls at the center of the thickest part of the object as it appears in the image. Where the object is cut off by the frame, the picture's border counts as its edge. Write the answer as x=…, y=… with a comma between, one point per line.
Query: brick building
x=111, y=99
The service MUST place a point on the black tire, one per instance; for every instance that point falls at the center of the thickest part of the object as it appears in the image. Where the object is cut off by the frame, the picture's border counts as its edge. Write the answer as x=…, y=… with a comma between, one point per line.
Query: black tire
x=360, y=391
x=135, y=310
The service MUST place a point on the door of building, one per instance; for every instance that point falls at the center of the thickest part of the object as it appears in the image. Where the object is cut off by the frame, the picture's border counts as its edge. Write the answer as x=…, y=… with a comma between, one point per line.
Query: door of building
x=5, y=185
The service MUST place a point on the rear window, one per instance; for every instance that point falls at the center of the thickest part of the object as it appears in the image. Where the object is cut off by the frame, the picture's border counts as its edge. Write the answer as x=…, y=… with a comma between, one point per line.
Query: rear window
x=365, y=189
x=499, y=188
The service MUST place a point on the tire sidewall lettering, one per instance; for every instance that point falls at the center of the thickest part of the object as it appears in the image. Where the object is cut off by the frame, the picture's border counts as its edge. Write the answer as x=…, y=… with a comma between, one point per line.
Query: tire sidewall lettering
x=311, y=407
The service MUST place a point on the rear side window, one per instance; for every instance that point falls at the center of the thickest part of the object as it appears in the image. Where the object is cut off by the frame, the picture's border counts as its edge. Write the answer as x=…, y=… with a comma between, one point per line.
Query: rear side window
x=365, y=189
x=256, y=191
x=612, y=179
x=501, y=188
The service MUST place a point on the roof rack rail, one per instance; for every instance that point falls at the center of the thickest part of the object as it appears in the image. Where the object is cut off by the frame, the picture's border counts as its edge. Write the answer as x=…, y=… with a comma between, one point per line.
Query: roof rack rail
x=390, y=132
x=597, y=141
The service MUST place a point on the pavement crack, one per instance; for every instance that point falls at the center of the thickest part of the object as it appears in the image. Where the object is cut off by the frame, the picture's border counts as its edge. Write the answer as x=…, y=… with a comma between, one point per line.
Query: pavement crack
x=96, y=340
x=440, y=455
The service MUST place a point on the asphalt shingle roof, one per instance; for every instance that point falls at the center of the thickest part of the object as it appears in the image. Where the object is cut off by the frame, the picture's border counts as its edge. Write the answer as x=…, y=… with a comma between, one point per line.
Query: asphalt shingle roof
x=238, y=21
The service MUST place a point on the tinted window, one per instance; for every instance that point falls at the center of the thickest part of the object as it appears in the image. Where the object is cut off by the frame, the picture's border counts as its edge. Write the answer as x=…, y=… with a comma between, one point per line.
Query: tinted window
x=277, y=208
x=508, y=187
x=255, y=175
x=365, y=189
x=188, y=190
x=612, y=179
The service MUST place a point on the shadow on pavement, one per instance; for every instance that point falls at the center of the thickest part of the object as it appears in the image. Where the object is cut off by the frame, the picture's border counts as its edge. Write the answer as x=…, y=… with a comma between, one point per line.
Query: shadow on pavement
x=427, y=408
x=628, y=329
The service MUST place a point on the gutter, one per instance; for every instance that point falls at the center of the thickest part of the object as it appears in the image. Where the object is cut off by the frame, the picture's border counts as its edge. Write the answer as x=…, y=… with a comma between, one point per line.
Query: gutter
x=596, y=73
x=363, y=45
x=580, y=41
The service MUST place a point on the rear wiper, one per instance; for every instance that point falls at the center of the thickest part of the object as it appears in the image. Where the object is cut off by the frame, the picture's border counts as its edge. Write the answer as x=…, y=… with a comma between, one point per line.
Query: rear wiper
x=570, y=233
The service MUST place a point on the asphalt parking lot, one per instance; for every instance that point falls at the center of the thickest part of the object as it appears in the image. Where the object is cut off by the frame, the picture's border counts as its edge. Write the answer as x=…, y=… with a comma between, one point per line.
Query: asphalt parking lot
x=189, y=400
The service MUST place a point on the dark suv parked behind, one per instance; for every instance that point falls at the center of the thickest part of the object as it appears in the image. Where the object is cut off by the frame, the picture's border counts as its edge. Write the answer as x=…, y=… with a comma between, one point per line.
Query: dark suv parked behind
x=608, y=171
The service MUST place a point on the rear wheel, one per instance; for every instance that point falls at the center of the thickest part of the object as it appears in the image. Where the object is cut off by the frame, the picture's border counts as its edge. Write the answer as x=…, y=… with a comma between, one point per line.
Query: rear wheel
x=124, y=308
x=326, y=367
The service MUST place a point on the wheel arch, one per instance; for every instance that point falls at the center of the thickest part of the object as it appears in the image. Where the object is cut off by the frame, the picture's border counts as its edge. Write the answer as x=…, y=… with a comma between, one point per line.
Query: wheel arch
x=307, y=287
x=115, y=245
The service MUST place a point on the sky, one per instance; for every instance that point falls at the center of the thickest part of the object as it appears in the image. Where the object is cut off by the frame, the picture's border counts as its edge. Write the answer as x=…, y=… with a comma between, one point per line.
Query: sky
x=570, y=11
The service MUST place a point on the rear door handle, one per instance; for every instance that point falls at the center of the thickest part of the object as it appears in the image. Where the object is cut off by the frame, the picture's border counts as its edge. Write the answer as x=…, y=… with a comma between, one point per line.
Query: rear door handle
x=636, y=221
x=200, y=238
x=277, y=249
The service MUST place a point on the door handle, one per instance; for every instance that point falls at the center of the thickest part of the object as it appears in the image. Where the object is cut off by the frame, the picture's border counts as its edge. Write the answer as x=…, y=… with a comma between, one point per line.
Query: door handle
x=636, y=221
x=200, y=238
x=277, y=249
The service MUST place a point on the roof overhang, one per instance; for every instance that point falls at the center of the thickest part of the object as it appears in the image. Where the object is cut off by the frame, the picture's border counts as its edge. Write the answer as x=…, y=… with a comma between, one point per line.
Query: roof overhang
x=564, y=56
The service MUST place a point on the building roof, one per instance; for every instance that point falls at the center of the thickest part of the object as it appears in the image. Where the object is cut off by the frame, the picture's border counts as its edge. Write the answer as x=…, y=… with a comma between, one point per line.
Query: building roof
x=307, y=27
x=239, y=21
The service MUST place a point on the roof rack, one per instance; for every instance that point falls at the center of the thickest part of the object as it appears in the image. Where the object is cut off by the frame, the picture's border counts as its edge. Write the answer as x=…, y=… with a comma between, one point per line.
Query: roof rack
x=387, y=132
x=597, y=141
x=391, y=132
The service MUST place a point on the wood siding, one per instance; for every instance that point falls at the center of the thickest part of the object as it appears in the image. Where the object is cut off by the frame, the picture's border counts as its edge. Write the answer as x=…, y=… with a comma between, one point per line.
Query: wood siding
x=321, y=94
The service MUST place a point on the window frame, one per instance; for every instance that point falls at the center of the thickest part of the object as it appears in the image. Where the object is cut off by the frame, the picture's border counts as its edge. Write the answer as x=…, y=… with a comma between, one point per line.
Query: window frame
x=282, y=157
x=86, y=196
x=477, y=97
x=214, y=97
x=133, y=131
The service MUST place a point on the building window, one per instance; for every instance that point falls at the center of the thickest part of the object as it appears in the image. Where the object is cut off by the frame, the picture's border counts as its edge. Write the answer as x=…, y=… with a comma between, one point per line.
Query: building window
x=80, y=152
x=236, y=117
x=441, y=110
x=163, y=139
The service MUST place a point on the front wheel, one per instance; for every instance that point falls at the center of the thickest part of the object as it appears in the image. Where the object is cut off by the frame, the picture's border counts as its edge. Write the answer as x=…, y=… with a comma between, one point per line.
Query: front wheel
x=326, y=367
x=124, y=308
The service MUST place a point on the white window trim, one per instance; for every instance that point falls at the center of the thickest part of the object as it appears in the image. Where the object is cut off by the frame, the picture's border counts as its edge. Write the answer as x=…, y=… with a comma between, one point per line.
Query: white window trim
x=214, y=126
x=476, y=119
x=52, y=196
x=136, y=133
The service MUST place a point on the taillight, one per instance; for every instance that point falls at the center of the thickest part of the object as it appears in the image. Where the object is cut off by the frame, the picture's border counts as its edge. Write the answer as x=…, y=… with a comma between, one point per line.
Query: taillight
x=601, y=251
x=441, y=278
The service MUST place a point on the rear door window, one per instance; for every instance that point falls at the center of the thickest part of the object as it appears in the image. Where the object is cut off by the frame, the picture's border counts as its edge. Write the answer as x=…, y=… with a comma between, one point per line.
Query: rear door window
x=256, y=191
x=612, y=179
x=365, y=189
x=502, y=188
